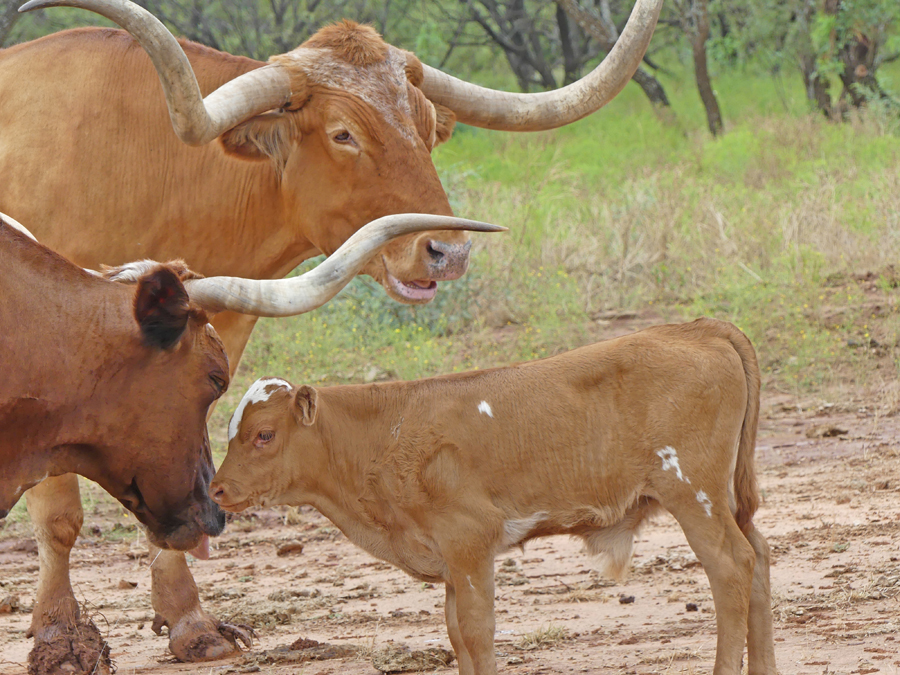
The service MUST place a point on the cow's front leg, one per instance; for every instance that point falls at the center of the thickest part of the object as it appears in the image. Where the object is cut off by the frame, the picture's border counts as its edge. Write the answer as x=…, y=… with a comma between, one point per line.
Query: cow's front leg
x=194, y=635
x=473, y=600
x=62, y=641
x=462, y=654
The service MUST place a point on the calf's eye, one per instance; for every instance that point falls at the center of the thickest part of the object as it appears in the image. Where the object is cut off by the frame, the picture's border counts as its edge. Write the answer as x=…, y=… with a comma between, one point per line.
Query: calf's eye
x=263, y=437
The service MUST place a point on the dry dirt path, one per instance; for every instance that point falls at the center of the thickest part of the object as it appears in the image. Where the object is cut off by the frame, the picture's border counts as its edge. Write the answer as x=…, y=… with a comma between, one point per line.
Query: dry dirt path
x=831, y=513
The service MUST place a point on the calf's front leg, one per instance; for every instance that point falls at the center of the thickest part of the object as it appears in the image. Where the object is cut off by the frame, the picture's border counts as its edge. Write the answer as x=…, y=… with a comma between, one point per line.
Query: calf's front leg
x=470, y=594
x=462, y=654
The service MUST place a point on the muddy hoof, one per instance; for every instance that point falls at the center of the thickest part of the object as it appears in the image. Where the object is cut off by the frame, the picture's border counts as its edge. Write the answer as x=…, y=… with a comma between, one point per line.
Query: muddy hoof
x=79, y=650
x=206, y=640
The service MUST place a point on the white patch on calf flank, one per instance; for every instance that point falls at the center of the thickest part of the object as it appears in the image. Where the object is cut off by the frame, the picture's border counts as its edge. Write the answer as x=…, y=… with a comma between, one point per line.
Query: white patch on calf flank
x=705, y=502
x=255, y=394
x=517, y=529
x=485, y=408
x=670, y=461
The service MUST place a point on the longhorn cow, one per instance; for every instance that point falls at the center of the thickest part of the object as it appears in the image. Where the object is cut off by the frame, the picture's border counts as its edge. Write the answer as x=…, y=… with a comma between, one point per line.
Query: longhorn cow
x=279, y=162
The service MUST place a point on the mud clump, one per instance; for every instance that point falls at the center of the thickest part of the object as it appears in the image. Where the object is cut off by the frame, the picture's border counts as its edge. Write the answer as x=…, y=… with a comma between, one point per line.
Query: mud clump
x=302, y=650
x=402, y=660
x=81, y=650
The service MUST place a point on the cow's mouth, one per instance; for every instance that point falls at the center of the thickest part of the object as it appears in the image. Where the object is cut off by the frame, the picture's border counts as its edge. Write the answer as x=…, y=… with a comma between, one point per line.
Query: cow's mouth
x=418, y=291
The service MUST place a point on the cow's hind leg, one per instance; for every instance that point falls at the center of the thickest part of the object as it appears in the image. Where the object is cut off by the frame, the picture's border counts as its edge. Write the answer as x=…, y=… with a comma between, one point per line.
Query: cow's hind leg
x=62, y=641
x=194, y=635
x=728, y=560
x=760, y=632
x=462, y=654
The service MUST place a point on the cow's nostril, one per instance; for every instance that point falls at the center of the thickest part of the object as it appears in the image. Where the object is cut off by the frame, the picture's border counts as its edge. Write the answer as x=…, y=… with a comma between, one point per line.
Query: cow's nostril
x=434, y=250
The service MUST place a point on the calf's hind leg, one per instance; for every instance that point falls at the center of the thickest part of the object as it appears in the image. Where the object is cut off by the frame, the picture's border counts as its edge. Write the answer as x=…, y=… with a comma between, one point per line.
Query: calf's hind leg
x=760, y=634
x=728, y=560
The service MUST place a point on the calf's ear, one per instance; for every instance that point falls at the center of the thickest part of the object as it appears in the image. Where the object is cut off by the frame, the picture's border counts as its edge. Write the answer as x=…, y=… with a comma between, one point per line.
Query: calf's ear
x=306, y=405
x=161, y=308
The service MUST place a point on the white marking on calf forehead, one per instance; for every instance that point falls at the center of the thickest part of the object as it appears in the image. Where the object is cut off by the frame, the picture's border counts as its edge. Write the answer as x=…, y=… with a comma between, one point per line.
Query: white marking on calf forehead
x=705, y=502
x=259, y=391
x=485, y=409
x=670, y=461
x=382, y=85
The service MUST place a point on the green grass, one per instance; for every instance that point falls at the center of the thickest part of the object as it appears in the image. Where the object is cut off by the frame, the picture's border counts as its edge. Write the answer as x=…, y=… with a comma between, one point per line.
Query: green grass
x=625, y=210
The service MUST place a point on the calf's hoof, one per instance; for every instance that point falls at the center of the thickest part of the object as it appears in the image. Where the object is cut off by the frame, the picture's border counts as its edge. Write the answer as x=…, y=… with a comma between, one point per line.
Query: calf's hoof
x=74, y=650
x=200, y=637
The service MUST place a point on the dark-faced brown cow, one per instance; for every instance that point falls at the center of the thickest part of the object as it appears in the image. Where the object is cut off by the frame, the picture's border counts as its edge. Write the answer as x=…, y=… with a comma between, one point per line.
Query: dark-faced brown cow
x=109, y=382
x=321, y=140
x=441, y=475
x=115, y=384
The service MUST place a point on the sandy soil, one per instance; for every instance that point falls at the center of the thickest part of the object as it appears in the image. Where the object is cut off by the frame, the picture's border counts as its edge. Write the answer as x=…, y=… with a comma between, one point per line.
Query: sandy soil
x=831, y=514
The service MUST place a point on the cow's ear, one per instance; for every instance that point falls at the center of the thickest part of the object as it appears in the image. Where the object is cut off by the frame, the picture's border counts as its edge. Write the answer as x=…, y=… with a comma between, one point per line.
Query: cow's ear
x=306, y=405
x=161, y=308
x=265, y=136
x=445, y=120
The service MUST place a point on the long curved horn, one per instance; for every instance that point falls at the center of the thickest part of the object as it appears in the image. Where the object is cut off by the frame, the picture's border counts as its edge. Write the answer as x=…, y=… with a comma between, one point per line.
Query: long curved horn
x=289, y=297
x=16, y=225
x=196, y=120
x=507, y=111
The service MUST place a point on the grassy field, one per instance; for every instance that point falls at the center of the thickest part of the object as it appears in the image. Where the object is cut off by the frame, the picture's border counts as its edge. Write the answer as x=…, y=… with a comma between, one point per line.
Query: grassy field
x=788, y=226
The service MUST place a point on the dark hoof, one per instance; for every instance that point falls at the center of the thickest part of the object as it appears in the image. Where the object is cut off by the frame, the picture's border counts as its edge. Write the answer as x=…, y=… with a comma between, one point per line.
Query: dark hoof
x=79, y=650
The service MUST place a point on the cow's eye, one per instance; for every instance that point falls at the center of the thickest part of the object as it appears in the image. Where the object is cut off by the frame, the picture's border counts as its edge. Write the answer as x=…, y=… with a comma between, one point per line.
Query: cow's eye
x=343, y=137
x=219, y=383
x=264, y=437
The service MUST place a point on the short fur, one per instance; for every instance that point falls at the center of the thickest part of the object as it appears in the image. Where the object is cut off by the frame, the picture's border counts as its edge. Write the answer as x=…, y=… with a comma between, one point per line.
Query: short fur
x=588, y=443
x=358, y=44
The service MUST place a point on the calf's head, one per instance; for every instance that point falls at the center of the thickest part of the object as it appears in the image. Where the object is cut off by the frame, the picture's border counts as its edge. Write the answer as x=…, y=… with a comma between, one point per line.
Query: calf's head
x=275, y=453
x=150, y=448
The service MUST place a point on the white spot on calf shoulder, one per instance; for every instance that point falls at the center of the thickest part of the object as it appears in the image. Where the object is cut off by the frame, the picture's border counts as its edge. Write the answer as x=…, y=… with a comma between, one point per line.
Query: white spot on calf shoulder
x=260, y=390
x=485, y=408
x=705, y=502
x=670, y=461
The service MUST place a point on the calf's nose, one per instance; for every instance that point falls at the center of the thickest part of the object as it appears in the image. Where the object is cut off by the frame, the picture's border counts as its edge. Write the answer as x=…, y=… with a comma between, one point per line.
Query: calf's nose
x=216, y=492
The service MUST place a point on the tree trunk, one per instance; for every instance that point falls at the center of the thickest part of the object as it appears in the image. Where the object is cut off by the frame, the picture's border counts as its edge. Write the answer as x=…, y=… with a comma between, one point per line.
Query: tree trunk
x=699, y=34
x=9, y=14
x=603, y=30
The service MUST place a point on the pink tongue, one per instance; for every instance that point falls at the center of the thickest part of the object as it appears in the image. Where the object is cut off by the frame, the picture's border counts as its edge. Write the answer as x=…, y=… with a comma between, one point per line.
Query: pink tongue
x=201, y=552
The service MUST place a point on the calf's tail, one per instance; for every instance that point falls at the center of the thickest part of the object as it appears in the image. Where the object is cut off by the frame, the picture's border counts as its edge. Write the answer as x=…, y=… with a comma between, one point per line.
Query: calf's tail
x=746, y=490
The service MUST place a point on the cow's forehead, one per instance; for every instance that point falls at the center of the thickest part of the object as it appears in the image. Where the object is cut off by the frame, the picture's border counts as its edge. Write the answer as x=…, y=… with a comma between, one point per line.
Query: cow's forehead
x=259, y=391
x=382, y=84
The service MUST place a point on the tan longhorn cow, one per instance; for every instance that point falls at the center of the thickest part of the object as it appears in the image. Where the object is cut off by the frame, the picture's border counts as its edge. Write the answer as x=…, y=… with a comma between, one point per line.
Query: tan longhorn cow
x=293, y=157
x=439, y=476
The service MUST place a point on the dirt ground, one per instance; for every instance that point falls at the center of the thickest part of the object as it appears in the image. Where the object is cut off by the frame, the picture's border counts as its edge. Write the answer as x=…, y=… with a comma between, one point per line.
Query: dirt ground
x=830, y=476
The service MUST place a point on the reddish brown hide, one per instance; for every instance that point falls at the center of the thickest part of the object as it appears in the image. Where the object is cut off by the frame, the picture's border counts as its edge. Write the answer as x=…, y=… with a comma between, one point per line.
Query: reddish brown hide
x=110, y=382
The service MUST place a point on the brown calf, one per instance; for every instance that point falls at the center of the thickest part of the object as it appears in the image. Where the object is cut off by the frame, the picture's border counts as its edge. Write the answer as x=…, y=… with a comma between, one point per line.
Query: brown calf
x=439, y=476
